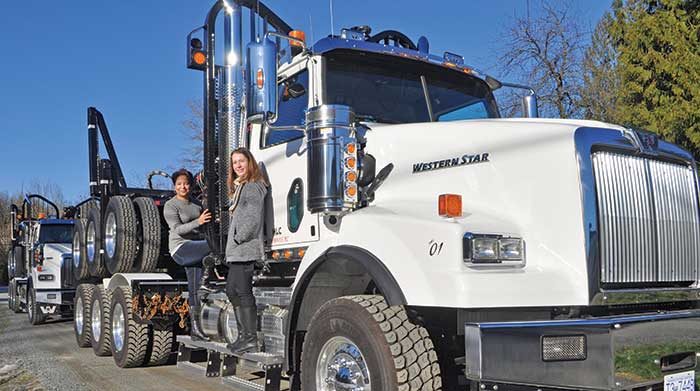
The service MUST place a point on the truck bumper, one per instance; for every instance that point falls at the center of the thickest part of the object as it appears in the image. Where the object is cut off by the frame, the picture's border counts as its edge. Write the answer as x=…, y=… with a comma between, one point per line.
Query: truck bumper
x=612, y=353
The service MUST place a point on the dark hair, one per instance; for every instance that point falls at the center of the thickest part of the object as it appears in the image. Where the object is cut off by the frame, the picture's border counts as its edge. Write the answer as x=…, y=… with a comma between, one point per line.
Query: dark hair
x=180, y=173
x=254, y=173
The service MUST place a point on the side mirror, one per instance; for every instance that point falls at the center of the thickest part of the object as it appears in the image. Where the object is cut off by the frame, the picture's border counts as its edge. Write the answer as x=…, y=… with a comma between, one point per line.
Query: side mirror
x=529, y=103
x=262, y=79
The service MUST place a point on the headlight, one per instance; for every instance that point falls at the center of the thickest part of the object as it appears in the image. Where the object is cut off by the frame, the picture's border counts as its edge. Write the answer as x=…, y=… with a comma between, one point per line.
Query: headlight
x=493, y=250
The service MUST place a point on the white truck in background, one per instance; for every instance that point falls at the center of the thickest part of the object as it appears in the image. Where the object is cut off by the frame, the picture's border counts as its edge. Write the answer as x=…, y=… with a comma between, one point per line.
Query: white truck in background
x=41, y=281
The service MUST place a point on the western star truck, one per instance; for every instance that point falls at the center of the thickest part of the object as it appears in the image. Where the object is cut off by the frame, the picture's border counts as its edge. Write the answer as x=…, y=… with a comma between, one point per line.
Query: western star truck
x=417, y=240
x=41, y=281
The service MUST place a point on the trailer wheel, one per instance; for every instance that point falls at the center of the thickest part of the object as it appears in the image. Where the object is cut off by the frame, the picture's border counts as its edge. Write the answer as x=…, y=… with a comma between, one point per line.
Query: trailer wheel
x=160, y=346
x=19, y=262
x=129, y=339
x=119, y=231
x=82, y=314
x=80, y=264
x=149, y=223
x=101, y=322
x=360, y=341
x=93, y=233
x=33, y=311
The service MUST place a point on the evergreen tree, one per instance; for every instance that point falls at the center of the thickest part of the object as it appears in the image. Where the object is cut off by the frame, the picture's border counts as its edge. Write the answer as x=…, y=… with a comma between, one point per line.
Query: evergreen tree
x=658, y=65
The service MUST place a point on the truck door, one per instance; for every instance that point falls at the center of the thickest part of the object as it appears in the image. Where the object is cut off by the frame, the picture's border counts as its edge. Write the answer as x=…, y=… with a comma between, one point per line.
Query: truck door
x=283, y=153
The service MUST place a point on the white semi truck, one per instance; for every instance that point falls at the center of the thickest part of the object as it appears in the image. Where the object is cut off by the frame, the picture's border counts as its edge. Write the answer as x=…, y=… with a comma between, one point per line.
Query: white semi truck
x=418, y=241
x=41, y=282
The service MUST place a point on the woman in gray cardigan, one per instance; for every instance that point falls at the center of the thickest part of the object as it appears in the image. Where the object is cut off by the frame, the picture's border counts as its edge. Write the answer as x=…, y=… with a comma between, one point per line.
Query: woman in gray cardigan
x=247, y=190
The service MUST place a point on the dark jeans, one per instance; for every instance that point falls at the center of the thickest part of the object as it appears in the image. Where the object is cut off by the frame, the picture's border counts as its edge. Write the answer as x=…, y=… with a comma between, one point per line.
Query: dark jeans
x=239, y=284
x=190, y=256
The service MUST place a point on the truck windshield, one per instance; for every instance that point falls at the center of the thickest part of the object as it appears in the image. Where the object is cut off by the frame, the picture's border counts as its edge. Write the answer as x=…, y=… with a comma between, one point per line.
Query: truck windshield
x=56, y=233
x=388, y=89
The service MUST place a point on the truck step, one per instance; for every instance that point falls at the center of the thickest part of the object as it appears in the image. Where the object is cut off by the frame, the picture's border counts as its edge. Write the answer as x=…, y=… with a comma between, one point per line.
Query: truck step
x=214, y=359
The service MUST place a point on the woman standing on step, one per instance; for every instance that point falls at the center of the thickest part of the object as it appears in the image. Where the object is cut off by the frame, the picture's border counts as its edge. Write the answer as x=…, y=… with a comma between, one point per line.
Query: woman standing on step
x=247, y=190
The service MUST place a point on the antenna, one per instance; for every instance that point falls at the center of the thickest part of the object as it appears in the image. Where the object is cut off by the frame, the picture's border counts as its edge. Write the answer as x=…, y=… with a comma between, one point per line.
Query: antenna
x=331, y=5
x=311, y=29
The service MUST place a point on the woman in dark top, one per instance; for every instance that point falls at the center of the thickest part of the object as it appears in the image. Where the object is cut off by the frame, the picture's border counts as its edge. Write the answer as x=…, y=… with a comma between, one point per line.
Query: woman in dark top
x=247, y=190
x=185, y=241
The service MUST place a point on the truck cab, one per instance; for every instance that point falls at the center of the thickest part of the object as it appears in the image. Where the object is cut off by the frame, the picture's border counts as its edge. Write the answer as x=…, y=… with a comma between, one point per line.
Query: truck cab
x=46, y=287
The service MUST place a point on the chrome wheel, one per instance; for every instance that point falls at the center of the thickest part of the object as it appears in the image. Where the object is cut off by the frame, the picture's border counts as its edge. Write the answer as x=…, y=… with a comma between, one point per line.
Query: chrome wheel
x=111, y=235
x=230, y=324
x=341, y=366
x=96, y=320
x=90, y=242
x=118, y=327
x=76, y=251
x=79, y=316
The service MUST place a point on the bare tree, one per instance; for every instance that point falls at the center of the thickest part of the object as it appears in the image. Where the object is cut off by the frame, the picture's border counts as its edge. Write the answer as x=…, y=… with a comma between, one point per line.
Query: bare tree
x=193, y=154
x=545, y=51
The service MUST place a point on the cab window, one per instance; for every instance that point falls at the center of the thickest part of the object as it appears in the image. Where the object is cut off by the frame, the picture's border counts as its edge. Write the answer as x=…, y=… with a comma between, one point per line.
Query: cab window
x=293, y=101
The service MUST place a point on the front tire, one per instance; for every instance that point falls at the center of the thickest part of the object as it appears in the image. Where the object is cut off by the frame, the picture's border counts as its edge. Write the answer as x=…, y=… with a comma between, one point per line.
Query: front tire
x=101, y=322
x=82, y=314
x=360, y=341
x=33, y=311
x=129, y=339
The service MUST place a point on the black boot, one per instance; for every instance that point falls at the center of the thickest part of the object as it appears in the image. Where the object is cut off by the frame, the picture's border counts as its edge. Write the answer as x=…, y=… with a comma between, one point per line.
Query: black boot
x=247, y=334
x=208, y=265
x=195, y=329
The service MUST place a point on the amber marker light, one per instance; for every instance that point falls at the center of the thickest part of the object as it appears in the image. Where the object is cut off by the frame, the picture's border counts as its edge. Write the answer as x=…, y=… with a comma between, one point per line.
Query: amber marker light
x=301, y=252
x=351, y=176
x=199, y=58
x=350, y=162
x=450, y=205
x=298, y=34
x=288, y=254
x=351, y=191
x=350, y=148
x=260, y=79
x=275, y=255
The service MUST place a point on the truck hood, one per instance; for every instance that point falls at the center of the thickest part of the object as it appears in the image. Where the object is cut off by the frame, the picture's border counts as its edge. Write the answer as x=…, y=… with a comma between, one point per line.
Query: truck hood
x=60, y=248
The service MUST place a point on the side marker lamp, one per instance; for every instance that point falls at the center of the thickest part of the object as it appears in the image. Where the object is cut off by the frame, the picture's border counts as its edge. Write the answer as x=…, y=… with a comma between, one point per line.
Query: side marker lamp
x=450, y=205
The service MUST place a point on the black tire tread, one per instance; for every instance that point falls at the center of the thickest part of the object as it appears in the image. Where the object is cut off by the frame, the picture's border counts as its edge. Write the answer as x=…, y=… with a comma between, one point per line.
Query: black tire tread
x=85, y=292
x=147, y=259
x=161, y=347
x=414, y=355
x=127, y=244
x=97, y=268
x=34, y=314
x=103, y=347
x=136, y=334
x=19, y=262
x=81, y=272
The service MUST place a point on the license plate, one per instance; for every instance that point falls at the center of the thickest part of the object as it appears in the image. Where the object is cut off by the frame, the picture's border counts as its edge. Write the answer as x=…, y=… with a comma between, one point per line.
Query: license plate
x=684, y=381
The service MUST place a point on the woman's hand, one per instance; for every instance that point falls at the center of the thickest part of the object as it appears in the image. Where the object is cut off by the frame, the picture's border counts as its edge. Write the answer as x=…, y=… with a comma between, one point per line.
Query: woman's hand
x=205, y=217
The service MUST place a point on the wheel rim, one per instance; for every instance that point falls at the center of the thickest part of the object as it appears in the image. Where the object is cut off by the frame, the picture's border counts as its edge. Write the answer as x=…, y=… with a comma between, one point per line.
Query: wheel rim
x=90, y=242
x=76, y=251
x=30, y=305
x=111, y=235
x=231, y=326
x=118, y=327
x=96, y=320
x=79, y=316
x=341, y=366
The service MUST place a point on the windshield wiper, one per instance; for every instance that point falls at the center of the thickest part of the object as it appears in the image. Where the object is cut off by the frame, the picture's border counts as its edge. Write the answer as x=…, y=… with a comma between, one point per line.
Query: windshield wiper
x=426, y=94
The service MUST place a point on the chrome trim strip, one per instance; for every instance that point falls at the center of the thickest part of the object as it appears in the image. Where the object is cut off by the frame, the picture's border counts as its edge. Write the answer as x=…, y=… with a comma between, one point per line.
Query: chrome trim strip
x=586, y=140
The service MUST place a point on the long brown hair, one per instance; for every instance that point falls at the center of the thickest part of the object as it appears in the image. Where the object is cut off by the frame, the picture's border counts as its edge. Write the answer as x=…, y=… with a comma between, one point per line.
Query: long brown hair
x=254, y=173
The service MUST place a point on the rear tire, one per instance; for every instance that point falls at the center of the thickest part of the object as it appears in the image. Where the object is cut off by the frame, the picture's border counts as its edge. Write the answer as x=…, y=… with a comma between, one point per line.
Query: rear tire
x=129, y=339
x=119, y=230
x=80, y=263
x=160, y=346
x=13, y=294
x=101, y=322
x=10, y=265
x=371, y=342
x=149, y=222
x=93, y=235
x=19, y=262
x=82, y=314
x=34, y=313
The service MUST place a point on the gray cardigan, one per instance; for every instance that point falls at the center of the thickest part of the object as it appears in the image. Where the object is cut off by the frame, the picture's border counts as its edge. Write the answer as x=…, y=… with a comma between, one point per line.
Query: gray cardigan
x=182, y=218
x=245, y=233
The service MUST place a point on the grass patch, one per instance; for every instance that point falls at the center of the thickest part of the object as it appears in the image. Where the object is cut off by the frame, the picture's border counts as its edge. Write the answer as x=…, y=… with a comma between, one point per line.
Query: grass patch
x=637, y=363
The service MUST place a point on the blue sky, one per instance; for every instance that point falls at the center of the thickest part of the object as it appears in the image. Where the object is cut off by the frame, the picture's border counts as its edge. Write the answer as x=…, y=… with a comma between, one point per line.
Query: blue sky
x=127, y=59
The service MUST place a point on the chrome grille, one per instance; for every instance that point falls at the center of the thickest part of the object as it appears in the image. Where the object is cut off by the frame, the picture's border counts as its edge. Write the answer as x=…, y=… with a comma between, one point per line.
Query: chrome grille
x=648, y=216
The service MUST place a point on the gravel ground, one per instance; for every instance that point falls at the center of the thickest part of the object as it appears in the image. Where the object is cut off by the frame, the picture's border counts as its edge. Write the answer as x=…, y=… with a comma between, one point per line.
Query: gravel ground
x=46, y=357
